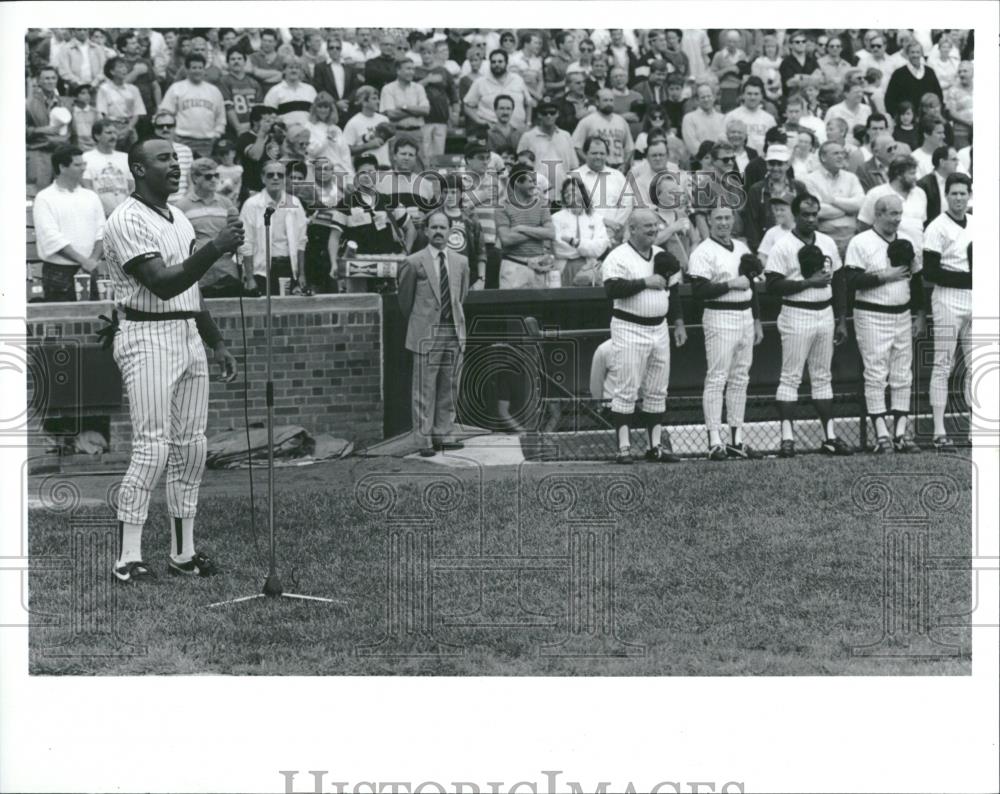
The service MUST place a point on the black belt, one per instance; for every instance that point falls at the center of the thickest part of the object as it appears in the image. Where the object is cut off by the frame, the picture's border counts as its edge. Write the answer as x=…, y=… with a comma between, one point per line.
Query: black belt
x=137, y=316
x=635, y=318
x=814, y=305
x=733, y=306
x=881, y=308
x=521, y=261
x=408, y=129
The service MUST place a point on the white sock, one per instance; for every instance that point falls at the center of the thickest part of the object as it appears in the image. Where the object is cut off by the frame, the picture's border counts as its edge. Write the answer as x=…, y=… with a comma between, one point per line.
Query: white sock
x=655, y=434
x=738, y=435
x=939, y=429
x=131, y=543
x=880, y=428
x=787, y=434
x=713, y=438
x=900, y=426
x=830, y=434
x=624, y=440
x=186, y=550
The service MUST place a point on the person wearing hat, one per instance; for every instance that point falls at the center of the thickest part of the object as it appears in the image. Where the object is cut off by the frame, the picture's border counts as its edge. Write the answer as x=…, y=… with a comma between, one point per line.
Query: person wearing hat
x=758, y=214
x=552, y=147
x=781, y=208
x=208, y=214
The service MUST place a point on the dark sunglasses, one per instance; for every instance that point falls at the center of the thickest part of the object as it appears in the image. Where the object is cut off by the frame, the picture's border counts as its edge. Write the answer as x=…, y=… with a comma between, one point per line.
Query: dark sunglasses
x=729, y=159
x=210, y=176
x=164, y=126
x=274, y=175
x=798, y=41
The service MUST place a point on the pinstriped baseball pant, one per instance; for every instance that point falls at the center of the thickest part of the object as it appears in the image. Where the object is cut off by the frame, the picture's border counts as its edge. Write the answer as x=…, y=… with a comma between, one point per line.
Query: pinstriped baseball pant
x=165, y=372
x=885, y=342
x=641, y=355
x=806, y=340
x=952, y=311
x=729, y=354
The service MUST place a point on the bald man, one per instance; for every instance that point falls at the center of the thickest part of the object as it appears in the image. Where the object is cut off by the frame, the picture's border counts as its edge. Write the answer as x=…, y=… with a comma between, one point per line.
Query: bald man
x=158, y=348
x=884, y=273
x=645, y=301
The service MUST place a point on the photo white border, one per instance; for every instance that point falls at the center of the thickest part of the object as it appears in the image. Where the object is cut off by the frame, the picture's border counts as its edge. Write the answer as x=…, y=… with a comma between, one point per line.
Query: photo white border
x=775, y=734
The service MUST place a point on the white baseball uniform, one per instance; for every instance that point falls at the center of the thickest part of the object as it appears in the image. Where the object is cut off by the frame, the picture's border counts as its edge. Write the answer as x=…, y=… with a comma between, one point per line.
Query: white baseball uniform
x=882, y=325
x=639, y=334
x=729, y=331
x=162, y=362
x=951, y=307
x=806, y=321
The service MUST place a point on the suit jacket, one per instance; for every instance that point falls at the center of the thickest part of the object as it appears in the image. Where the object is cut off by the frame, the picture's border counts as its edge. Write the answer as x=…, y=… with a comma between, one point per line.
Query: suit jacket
x=419, y=294
x=323, y=81
x=930, y=186
x=869, y=175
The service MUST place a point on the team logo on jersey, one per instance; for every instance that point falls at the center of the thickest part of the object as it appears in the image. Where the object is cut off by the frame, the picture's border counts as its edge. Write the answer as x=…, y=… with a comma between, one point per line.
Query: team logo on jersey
x=456, y=239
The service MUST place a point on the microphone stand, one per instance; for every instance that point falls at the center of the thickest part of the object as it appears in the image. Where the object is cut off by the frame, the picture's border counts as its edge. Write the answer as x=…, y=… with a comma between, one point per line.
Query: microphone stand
x=272, y=584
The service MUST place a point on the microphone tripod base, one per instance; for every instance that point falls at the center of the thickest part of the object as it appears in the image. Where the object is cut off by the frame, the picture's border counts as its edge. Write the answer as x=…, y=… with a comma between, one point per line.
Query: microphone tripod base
x=272, y=586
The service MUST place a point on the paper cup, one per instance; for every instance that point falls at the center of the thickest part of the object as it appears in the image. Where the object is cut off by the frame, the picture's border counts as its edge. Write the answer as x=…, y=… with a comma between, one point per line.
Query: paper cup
x=283, y=285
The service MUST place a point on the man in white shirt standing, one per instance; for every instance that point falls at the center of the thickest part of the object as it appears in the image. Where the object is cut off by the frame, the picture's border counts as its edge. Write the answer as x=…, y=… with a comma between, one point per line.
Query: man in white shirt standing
x=852, y=110
x=902, y=184
x=839, y=192
x=604, y=185
x=758, y=120
x=405, y=101
x=479, y=98
x=107, y=172
x=69, y=225
x=198, y=107
x=553, y=148
x=608, y=125
x=704, y=123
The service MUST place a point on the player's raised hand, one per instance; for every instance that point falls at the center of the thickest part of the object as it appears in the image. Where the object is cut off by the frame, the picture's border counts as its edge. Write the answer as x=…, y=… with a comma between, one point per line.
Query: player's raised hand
x=655, y=281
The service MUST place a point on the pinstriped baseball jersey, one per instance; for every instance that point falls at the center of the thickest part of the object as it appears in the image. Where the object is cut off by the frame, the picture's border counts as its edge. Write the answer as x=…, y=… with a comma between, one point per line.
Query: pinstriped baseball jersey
x=951, y=241
x=136, y=232
x=713, y=261
x=869, y=251
x=627, y=263
x=784, y=259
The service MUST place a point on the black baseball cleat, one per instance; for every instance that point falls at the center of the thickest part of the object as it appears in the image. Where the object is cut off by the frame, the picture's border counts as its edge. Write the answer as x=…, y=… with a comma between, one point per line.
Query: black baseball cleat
x=883, y=446
x=661, y=455
x=743, y=451
x=427, y=452
x=624, y=457
x=134, y=572
x=943, y=444
x=718, y=452
x=198, y=565
x=836, y=446
x=787, y=448
x=905, y=445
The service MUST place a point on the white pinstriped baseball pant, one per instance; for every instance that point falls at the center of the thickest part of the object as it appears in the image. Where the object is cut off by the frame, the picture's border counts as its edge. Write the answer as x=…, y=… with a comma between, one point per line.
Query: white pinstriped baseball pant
x=641, y=355
x=806, y=341
x=165, y=372
x=729, y=354
x=885, y=342
x=952, y=312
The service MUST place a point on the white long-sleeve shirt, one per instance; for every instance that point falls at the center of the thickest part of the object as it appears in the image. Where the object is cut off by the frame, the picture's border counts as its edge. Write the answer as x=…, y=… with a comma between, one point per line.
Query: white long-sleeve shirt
x=67, y=217
x=200, y=109
x=588, y=229
x=288, y=230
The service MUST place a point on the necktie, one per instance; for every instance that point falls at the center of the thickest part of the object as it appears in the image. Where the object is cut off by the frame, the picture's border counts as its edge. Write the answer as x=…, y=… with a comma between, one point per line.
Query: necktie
x=446, y=317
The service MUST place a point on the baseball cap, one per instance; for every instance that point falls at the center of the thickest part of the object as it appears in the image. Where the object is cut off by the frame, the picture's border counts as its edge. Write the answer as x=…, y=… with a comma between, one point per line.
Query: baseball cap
x=203, y=165
x=472, y=149
x=546, y=107
x=779, y=152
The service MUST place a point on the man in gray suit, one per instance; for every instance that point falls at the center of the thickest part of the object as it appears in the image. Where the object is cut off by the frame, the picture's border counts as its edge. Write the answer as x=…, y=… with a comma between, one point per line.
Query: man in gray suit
x=432, y=285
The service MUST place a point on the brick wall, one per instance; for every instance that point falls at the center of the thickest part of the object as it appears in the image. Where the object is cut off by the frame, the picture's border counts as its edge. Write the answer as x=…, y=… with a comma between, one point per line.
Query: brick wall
x=327, y=364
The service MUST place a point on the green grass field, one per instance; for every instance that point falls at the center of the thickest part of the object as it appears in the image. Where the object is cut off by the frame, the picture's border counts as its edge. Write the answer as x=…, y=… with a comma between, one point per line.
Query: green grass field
x=738, y=568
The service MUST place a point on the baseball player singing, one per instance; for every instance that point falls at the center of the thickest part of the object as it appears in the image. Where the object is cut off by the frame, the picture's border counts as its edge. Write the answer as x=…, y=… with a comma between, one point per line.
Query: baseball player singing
x=883, y=272
x=722, y=271
x=158, y=348
x=804, y=268
x=642, y=280
x=948, y=266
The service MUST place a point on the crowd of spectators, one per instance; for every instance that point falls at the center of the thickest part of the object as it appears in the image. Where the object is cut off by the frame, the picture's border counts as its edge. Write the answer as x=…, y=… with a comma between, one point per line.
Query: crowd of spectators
x=538, y=144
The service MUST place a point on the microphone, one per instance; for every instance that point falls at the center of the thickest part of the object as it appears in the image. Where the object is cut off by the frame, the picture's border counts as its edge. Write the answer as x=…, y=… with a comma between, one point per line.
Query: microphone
x=268, y=212
x=232, y=214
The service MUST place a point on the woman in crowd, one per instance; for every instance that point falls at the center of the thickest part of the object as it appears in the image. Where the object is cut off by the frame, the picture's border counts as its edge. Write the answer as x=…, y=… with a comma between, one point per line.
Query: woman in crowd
x=944, y=60
x=770, y=60
x=326, y=138
x=580, y=238
x=904, y=128
x=804, y=159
